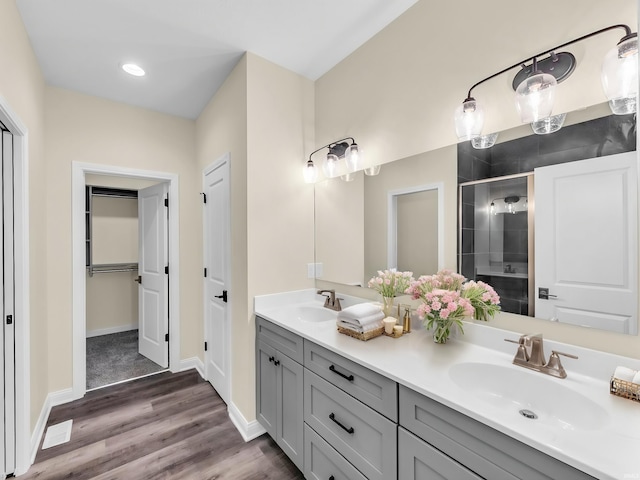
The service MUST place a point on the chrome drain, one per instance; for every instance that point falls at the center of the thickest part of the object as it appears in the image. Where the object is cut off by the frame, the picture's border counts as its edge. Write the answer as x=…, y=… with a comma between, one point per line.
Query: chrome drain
x=528, y=414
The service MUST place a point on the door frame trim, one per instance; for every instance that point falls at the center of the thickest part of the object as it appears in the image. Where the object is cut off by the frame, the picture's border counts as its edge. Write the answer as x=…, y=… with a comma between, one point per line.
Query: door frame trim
x=79, y=170
x=225, y=158
x=22, y=298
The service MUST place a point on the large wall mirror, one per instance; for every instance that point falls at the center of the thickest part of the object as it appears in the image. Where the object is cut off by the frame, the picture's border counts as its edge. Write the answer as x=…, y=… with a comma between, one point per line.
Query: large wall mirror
x=355, y=232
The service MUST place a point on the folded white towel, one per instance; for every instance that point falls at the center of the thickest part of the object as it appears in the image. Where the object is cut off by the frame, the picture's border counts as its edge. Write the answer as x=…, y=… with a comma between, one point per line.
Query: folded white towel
x=358, y=311
x=362, y=329
x=364, y=321
x=636, y=378
x=625, y=374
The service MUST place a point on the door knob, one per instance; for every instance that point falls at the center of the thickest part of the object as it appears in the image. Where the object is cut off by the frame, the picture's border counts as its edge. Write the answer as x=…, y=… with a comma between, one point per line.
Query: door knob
x=544, y=294
x=223, y=296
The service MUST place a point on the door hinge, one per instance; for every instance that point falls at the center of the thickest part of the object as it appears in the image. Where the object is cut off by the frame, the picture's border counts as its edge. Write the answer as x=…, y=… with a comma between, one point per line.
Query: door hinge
x=205, y=272
x=9, y=319
x=205, y=346
x=166, y=337
x=204, y=197
x=166, y=202
x=166, y=270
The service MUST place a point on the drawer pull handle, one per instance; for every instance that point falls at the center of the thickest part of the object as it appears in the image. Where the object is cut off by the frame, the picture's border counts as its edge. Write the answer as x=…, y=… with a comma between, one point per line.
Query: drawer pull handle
x=349, y=430
x=271, y=359
x=276, y=363
x=349, y=377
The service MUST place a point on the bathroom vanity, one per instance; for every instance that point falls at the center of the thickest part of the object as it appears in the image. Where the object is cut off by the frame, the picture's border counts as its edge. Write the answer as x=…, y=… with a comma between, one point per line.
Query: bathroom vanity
x=407, y=408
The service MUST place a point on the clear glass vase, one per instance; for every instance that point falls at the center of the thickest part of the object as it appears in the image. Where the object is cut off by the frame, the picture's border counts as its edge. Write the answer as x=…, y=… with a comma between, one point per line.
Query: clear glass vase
x=442, y=330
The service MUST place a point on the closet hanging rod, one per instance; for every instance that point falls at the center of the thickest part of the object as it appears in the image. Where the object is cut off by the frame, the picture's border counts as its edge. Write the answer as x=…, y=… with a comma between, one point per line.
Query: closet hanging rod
x=112, y=268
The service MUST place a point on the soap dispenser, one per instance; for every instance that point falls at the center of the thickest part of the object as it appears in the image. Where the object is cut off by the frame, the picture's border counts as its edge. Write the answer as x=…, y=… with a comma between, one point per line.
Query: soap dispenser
x=406, y=323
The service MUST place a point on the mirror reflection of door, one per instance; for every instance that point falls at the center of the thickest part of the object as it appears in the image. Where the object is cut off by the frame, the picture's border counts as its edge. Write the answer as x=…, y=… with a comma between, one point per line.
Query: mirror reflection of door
x=417, y=232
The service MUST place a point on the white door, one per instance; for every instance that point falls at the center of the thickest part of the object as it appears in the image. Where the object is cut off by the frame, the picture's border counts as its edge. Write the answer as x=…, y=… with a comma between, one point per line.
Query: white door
x=7, y=333
x=217, y=281
x=153, y=312
x=586, y=242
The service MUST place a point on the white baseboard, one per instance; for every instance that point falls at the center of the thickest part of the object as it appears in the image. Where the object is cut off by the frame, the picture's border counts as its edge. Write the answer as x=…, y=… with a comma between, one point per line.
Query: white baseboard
x=53, y=399
x=248, y=430
x=193, y=362
x=110, y=330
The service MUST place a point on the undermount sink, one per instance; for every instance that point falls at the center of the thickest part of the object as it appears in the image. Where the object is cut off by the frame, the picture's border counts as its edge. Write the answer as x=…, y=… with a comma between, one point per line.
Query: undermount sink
x=533, y=395
x=311, y=313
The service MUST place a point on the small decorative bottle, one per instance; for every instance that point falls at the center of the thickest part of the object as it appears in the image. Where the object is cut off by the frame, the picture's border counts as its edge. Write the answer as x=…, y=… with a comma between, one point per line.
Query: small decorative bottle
x=406, y=324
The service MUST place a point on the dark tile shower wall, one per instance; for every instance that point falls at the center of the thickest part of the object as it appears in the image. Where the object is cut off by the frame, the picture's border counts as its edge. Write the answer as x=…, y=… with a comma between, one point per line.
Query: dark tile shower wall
x=595, y=138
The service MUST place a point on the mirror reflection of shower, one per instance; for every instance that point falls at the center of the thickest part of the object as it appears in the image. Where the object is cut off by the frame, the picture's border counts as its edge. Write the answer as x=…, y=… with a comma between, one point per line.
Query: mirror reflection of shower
x=495, y=238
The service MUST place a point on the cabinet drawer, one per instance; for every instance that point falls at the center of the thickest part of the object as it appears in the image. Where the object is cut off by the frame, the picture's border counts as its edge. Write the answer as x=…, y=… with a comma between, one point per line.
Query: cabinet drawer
x=322, y=462
x=281, y=339
x=484, y=450
x=417, y=460
x=364, y=437
x=371, y=388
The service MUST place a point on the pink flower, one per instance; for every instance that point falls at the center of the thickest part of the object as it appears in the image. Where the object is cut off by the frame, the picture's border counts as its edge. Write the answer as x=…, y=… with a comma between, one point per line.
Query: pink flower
x=444, y=313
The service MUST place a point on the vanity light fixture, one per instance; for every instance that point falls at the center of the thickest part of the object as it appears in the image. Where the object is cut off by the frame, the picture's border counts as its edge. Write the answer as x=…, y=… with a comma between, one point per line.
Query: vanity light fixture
x=372, y=171
x=535, y=85
x=331, y=166
x=509, y=204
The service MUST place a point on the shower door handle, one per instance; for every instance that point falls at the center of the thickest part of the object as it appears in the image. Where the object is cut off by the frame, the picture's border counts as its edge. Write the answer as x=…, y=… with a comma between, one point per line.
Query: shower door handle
x=138, y=279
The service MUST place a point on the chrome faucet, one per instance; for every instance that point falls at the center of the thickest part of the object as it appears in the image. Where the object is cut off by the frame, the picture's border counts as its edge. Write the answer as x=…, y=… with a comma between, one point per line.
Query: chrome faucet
x=331, y=302
x=530, y=354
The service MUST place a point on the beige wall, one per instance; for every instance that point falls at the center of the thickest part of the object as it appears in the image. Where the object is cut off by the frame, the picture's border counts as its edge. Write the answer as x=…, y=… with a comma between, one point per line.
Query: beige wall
x=279, y=204
x=92, y=130
x=22, y=88
x=403, y=85
x=401, y=101
x=112, y=297
x=262, y=116
x=222, y=128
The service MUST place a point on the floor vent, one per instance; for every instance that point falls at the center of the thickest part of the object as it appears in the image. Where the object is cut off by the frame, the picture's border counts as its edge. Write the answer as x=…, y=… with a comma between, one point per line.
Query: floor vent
x=57, y=434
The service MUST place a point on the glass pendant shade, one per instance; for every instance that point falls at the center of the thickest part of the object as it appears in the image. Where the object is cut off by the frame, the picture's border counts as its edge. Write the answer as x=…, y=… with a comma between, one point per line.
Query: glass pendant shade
x=535, y=96
x=310, y=172
x=620, y=77
x=330, y=166
x=469, y=120
x=549, y=124
x=353, y=157
x=484, y=141
x=372, y=171
x=348, y=177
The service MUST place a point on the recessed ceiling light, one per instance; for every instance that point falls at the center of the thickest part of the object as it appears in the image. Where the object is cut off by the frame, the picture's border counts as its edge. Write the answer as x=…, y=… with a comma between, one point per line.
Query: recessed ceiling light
x=133, y=69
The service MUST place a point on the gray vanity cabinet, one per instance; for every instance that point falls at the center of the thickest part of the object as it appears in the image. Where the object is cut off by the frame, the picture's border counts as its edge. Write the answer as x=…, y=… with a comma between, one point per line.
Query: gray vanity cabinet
x=280, y=388
x=475, y=446
x=417, y=460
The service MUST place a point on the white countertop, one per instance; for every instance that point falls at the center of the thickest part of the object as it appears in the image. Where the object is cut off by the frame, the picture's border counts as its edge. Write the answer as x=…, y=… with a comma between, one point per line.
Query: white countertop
x=609, y=450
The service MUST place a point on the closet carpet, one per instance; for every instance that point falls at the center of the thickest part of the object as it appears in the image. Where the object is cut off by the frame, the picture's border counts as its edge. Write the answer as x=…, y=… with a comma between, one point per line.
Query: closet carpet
x=166, y=426
x=114, y=357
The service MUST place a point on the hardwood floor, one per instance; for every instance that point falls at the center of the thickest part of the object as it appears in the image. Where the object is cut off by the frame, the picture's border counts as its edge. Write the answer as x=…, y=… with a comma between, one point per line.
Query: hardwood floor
x=161, y=427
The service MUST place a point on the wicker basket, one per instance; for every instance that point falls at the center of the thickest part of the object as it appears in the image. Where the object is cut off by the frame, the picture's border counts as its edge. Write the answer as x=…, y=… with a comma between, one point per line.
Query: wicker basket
x=362, y=336
x=625, y=389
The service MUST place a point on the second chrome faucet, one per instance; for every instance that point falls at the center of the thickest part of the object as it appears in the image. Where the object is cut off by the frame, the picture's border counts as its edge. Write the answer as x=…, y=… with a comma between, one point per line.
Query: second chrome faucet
x=530, y=354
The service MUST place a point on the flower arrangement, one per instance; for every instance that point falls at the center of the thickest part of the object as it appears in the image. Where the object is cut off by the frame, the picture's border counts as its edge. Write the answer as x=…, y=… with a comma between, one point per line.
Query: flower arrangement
x=447, y=297
x=389, y=283
x=485, y=300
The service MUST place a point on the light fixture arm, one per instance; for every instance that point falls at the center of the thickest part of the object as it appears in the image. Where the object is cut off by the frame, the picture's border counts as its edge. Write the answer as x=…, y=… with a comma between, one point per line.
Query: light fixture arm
x=628, y=34
x=332, y=144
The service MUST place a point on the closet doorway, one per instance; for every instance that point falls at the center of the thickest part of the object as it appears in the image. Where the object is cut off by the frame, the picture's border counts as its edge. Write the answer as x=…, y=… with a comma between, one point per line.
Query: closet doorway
x=127, y=279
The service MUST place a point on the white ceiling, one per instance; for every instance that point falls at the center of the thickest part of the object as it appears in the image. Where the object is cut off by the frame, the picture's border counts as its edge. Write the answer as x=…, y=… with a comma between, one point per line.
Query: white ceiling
x=189, y=47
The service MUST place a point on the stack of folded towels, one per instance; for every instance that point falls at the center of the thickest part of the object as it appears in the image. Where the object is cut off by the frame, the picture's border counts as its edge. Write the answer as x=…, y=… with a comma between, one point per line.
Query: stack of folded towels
x=627, y=375
x=361, y=318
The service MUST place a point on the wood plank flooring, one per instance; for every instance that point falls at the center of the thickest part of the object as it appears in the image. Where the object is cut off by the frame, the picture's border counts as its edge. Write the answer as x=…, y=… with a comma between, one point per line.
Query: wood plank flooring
x=161, y=427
